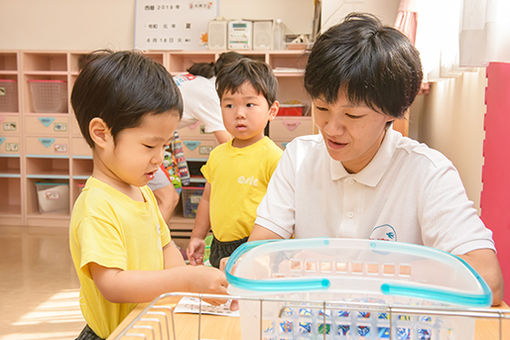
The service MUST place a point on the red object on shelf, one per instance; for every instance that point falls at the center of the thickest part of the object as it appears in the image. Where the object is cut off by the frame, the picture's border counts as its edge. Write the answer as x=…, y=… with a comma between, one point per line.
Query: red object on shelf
x=495, y=198
x=290, y=110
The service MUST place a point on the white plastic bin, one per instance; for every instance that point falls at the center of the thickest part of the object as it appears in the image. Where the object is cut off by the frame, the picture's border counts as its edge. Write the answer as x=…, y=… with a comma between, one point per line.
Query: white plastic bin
x=343, y=271
x=52, y=196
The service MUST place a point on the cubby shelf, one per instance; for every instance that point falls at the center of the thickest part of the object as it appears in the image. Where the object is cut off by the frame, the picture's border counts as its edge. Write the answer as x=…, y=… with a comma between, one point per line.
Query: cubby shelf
x=47, y=146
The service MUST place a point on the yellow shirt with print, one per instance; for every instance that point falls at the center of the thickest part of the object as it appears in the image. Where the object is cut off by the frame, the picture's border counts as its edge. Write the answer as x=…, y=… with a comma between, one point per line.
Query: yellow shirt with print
x=114, y=231
x=238, y=179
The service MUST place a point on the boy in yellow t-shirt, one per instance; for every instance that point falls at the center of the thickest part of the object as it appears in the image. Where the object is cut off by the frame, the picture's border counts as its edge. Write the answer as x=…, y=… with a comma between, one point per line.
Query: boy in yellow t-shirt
x=127, y=107
x=237, y=172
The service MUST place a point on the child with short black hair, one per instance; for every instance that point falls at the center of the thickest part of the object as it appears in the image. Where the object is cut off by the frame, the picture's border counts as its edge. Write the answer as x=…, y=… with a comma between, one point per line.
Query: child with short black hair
x=127, y=107
x=237, y=172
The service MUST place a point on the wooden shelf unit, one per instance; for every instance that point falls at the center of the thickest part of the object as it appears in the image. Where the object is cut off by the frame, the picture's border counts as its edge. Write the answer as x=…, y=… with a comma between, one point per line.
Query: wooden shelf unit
x=48, y=147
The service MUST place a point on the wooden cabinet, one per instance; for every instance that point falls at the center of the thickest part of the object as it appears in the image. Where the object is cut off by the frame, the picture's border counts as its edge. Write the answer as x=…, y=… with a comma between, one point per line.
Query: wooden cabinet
x=40, y=141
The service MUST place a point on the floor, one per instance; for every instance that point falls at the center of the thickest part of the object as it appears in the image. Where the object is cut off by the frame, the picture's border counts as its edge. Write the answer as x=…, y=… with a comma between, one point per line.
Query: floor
x=38, y=285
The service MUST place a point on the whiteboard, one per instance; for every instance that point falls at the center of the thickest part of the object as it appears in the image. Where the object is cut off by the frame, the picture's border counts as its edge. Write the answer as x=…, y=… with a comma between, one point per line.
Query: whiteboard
x=173, y=24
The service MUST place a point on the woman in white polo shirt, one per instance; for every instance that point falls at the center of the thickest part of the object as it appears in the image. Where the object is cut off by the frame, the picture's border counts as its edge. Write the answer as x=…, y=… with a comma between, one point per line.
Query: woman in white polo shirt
x=201, y=104
x=359, y=178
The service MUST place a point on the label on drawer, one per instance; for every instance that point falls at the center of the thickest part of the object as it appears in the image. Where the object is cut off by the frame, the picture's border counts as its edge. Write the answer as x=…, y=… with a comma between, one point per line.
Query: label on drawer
x=60, y=127
x=60, y=148
x=9, y=144
x=11, y=147
x=205, y=149
x=9, y=126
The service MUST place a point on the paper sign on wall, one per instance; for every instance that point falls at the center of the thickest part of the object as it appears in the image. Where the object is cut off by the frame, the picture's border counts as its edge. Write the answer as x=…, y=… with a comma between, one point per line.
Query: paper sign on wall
x=173, y=24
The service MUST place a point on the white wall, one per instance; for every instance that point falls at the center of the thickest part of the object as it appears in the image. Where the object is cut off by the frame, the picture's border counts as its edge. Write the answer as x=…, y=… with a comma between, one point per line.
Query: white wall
x=93, y=24
x=334, y=11
x=450, y=119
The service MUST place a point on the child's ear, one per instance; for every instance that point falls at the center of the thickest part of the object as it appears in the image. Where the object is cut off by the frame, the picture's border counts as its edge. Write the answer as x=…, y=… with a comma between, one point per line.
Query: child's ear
x=273, y=110
x=99, y=132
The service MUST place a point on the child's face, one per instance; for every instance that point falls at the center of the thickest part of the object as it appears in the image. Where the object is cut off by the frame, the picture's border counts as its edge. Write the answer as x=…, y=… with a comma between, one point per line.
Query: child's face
x=245, y=114
x=352, y=133
x=138, y=151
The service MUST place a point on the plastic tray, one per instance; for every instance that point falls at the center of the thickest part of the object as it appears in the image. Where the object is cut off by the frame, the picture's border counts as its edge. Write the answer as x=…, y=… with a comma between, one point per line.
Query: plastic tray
x=352, y=271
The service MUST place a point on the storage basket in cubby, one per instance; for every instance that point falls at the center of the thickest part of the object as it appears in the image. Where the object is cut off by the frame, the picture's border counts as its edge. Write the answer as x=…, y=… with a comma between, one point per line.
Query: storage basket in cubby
x=190, y=198
x=8, y=95
x=48, y=96
x=52, y=196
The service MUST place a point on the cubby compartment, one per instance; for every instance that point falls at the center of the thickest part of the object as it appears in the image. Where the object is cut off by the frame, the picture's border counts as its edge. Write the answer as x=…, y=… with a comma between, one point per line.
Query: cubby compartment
x=291, y=90
x=45, y=94
x=47, y=167
x=8, y=94
x=8, y=61
x=48, y=95
x=77, y=186
x=179, y=62
x=82, y=167
x=10, y=199
x=288, y=63
x=44, y=62
x=10, y=166
x=48, y=197
x=157, y=57
x=257, y=55
x=77, y=61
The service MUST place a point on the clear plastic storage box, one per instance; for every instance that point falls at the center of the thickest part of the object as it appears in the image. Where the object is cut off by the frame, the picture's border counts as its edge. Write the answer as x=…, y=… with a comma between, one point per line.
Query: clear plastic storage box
x=48, y=96
x=340, y=272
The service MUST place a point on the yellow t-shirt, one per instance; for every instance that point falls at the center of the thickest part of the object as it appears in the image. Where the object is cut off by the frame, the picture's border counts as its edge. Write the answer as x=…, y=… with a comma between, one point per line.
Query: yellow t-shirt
x=114, y=231
x=239, y=179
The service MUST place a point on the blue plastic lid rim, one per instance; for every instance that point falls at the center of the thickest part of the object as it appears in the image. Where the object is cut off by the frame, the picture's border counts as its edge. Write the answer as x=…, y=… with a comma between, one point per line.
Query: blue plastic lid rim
x=472, y=300
x=476, y=300
x=273, y=285
x=483, y=299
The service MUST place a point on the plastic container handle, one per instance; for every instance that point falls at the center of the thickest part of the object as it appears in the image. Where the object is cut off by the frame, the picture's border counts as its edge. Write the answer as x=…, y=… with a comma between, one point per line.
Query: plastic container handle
x=274, y=285
x=482, y=300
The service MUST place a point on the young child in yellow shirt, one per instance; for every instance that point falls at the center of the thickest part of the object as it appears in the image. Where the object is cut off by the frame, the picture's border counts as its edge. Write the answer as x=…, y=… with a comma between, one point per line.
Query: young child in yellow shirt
x=127, y=107
x=237, y=172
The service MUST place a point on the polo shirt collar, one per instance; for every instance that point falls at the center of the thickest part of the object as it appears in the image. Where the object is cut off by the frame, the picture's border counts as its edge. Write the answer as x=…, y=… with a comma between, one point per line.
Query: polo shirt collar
x=375, y=170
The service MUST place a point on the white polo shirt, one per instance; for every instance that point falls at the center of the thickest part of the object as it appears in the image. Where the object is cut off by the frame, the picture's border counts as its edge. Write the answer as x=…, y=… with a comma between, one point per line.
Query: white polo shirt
x=407, y=193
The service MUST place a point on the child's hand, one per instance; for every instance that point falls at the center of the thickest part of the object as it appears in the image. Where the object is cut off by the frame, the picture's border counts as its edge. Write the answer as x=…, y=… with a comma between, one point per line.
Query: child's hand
x=195, y=251
x=209, y=280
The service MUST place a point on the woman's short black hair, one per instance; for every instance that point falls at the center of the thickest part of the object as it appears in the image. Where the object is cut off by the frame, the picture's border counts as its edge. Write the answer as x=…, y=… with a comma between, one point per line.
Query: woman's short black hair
x=120, y=88
x=209, y=70
x=376, y=65
x=258, y=73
